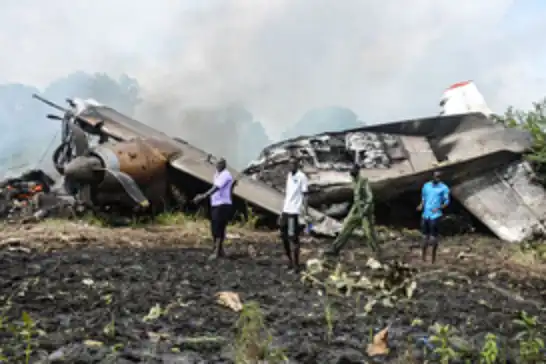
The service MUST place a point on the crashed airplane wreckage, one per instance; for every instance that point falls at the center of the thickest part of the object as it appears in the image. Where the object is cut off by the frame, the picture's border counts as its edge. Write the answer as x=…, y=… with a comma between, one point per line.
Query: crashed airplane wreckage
x=133, y=165
x=136, y=166
x=480, y=159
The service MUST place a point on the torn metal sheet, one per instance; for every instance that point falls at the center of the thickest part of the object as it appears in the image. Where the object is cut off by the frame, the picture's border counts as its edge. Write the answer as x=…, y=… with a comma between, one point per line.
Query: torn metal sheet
x=506, y=200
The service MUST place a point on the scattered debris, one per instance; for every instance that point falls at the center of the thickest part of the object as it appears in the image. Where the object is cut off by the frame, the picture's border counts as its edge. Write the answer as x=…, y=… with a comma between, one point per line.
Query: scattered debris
x=21, y=197
x=373, y=264
x=230, y=300
x=387, y=281
x=379, y=344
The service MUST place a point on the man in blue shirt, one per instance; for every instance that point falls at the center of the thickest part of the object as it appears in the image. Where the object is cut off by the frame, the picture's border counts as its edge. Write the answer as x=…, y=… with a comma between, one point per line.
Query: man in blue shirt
x=434, y=199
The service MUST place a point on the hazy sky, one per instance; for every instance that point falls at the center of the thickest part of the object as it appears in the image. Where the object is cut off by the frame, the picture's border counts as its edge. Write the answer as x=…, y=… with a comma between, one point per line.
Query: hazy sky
x=282, y=57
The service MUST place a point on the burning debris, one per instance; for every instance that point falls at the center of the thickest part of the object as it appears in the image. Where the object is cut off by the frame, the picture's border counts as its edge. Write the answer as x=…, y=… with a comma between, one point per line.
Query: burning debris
x=21, y=197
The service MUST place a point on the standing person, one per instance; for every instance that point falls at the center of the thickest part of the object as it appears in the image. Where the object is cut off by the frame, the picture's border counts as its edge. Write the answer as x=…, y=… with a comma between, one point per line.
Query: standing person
x=360, y=215
x=434, y=199
x=294, y=199
x=220, y=202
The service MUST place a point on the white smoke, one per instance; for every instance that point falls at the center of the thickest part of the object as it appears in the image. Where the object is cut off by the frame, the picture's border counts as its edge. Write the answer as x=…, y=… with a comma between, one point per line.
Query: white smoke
x=384, y=59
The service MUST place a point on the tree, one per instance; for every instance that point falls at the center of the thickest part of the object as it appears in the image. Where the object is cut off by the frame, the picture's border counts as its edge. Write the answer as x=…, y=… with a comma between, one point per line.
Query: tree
x=534, y=121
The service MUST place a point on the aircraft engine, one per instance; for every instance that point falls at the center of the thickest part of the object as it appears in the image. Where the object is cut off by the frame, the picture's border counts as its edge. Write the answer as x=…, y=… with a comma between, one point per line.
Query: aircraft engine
x=135, y=166
x=134, y=158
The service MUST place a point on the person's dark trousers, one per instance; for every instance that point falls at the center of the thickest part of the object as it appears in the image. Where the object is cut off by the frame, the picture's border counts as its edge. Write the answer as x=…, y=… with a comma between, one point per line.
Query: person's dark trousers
x=220, y=216
x=356, y=220
x=430, y=230
x=290, y=234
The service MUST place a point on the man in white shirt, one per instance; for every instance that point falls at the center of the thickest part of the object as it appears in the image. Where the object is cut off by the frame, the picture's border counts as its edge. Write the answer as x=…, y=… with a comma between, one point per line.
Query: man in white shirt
x=295, y=199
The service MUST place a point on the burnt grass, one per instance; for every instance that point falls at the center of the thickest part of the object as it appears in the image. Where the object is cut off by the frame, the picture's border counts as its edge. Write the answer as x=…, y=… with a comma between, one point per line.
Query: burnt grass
x=88, y=291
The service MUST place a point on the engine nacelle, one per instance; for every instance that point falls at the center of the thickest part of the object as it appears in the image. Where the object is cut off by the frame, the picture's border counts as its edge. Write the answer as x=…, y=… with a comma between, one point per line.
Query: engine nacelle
x=135, y=158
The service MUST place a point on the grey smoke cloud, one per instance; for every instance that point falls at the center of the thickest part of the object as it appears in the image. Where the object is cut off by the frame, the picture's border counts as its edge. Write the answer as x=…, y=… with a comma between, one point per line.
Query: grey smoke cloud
x=281, y=58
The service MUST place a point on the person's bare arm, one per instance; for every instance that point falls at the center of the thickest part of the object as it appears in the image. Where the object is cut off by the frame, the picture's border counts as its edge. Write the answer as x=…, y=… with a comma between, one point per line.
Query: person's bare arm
x=210, y=191
x=214, y=188
x=446, y=198
x=305, y=190
x=420, y=206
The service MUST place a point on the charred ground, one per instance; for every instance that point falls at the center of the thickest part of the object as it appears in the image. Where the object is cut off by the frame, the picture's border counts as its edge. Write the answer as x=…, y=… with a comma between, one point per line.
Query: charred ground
x=147, y=294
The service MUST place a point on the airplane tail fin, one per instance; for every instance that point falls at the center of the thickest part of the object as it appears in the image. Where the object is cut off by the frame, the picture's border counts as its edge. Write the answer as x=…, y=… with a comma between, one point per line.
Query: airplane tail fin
x=462, y=98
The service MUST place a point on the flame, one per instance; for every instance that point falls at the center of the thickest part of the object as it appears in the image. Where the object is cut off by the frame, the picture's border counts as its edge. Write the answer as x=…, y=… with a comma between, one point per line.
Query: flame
x=33, y=190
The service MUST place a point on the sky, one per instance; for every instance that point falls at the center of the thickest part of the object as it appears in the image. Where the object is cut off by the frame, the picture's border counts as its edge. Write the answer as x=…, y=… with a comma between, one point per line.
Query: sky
x=280, y=58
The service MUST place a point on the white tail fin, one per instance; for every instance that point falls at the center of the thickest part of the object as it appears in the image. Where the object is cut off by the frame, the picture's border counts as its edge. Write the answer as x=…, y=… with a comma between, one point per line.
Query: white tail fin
x=463, y=97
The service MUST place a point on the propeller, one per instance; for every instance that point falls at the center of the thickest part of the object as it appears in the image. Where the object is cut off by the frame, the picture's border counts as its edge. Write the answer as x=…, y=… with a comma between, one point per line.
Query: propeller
x=130, y=187
x=81, y=170
x=74, y=144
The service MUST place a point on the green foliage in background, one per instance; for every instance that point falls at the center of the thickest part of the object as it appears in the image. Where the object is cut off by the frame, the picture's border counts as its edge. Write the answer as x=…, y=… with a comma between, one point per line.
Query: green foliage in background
x=534, y=121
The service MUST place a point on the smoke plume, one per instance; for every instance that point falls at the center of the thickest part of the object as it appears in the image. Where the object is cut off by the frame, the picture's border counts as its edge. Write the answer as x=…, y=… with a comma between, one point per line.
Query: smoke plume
x=384, y=60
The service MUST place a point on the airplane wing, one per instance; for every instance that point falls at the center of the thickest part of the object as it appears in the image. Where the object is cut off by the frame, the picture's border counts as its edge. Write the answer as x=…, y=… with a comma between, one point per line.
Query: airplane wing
x=116, y=125
x=254, y=192
x=195, y=162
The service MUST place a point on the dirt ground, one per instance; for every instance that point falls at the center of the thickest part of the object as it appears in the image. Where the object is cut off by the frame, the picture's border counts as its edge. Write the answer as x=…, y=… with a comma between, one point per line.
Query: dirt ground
x=91, y=292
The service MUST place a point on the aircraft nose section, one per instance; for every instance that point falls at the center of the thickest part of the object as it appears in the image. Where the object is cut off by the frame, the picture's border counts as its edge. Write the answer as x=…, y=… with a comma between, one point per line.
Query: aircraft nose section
x=81, y=169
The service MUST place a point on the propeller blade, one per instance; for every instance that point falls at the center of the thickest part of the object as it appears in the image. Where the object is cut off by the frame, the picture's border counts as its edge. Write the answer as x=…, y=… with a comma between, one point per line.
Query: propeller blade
x=71, y=102
x=79, y=139
x=130, y=187
x=84, y=195
x=54, y=117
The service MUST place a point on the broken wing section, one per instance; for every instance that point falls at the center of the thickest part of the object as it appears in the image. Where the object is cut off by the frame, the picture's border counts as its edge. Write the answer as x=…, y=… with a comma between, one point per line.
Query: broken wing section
x=506, y=200
x=254, y=192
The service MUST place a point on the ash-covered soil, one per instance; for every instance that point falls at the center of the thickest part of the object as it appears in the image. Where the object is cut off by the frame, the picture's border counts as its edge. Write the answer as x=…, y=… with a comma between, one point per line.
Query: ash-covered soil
x=91, y=292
